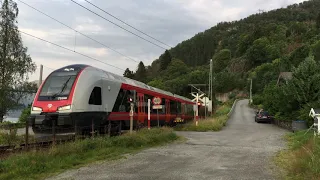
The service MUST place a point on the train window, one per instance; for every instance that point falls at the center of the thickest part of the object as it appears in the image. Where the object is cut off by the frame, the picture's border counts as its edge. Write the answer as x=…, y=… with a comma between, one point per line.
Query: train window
x=179, y=107
x=121, y=103
x=54, y=85
x=173, y=107
x=95, y=97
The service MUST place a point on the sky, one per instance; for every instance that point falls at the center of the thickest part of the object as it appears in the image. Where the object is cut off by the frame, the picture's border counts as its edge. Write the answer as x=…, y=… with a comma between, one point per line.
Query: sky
x=169, y=21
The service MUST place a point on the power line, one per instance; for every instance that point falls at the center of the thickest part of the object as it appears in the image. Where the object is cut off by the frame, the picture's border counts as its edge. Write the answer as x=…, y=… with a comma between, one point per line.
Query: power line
x=68, y=49
x=127, y=23
x=117, y=25
x=77, y=31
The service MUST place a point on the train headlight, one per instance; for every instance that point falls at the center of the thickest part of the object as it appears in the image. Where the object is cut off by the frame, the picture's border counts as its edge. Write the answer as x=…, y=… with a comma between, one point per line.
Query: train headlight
x=63, y=108
x=36, y=109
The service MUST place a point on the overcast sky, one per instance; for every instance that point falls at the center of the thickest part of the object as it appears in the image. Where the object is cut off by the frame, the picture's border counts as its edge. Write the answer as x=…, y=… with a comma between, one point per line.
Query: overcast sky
x=170, y=21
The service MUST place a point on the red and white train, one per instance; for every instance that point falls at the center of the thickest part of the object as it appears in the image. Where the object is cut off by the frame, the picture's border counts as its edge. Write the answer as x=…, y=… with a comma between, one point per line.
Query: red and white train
x=76, y=96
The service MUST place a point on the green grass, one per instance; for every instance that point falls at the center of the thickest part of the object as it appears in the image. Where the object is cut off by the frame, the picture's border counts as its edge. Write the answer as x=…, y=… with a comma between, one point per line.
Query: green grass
x=212, y=124
x=10, y=125
x=301, y=160
x=13, y=139
x=43, y=163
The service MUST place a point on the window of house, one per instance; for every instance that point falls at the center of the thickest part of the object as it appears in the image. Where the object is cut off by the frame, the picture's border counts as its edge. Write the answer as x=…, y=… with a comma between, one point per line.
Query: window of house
x=95, y=97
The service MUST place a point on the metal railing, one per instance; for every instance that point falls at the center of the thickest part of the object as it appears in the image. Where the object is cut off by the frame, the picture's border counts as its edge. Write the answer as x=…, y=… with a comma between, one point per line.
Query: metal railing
x=232, y=108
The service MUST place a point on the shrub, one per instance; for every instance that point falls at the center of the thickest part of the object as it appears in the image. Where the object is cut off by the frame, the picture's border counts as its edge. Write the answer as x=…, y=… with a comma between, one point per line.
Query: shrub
x=25, y=114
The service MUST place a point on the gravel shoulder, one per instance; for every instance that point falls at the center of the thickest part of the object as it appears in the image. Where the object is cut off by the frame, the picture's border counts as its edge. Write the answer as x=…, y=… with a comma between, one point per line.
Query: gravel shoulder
x=242, y=150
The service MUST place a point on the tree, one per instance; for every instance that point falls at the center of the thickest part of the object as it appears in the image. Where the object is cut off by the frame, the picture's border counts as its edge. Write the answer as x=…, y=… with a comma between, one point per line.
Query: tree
x=165, y=60
x=128, y=73
x=141, y=73
x=225, y=82
x=176, y=68
x=299, y=55
x=157, y=83
x=318, y=21
x=262, y=51
x=221, y=60
x=316, y=51
x=305, y=85
x=15, y=63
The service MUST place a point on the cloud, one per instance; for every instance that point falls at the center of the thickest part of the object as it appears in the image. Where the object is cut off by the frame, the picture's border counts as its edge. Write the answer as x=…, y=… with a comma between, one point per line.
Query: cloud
x=166, y=20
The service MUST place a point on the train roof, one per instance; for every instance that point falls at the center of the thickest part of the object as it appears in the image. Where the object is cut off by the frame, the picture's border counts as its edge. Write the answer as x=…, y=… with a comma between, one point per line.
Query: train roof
x=115, y=77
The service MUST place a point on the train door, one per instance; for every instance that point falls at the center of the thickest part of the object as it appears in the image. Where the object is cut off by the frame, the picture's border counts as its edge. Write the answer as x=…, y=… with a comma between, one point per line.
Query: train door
x=168, y=110
x=183, y=112
x=141, y=108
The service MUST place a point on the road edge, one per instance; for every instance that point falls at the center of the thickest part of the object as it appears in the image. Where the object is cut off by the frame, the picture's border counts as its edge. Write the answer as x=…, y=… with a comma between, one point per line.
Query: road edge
x=232, y=108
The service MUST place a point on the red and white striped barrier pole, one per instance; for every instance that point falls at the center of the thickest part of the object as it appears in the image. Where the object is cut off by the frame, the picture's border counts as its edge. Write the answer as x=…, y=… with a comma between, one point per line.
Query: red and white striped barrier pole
x=149, y=103
x=197, y=110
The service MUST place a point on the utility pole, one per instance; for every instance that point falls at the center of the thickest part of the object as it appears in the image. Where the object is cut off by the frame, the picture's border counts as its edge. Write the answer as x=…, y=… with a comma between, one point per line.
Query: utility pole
x=40, y=77
x=210, y=75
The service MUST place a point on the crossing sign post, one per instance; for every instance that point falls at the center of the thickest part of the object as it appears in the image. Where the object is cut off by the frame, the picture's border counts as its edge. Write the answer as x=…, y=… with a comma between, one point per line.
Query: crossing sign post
x=157, y=105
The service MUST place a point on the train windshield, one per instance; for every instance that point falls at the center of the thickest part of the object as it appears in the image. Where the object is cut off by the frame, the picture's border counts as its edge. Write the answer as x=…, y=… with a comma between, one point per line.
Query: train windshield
x=57, y=87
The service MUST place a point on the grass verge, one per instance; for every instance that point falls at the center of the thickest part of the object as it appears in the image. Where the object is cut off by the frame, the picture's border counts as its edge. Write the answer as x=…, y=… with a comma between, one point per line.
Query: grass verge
x=43, y=163
x=212, y=124
x=301, y=160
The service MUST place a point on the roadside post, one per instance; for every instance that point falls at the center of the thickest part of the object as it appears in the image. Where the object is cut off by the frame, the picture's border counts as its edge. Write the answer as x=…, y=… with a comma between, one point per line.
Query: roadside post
x=157, y=105
x=27, y=132
x=197, y=110
x=149, y=104
x=131, y=117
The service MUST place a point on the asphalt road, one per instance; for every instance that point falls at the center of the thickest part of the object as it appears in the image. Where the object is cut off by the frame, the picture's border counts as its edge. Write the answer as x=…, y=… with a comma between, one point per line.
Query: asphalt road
x=242, y=150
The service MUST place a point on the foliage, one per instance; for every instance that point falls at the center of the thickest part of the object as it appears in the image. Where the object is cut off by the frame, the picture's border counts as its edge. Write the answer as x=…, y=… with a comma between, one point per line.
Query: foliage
x=318, y=21
x=10, y=125
x=221, y=60
x=175, y=69
x=141, y=72
x=301, y=159
x=42, y=163
x=316, y=51
x=225, y=82
x=262, y=51
x=14, y=60
x=128, y=73
x=211, y=124
x=25, y=114
x=11, y=138
x=165, y=60
x=305, y=82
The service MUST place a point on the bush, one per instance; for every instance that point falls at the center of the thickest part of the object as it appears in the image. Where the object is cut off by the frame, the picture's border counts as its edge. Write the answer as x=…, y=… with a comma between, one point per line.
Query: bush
x=257, y=99
x=25, y=114
x=301, y=159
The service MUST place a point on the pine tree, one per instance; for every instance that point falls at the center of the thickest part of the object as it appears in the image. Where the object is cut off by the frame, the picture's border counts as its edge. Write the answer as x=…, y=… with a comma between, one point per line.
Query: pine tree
x=15, y=63
x=165, y=60
x=128, y=73
x=141, y=73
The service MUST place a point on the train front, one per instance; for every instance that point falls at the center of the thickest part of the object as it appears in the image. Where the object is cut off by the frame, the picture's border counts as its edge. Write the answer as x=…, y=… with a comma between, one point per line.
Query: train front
x=52, y=105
